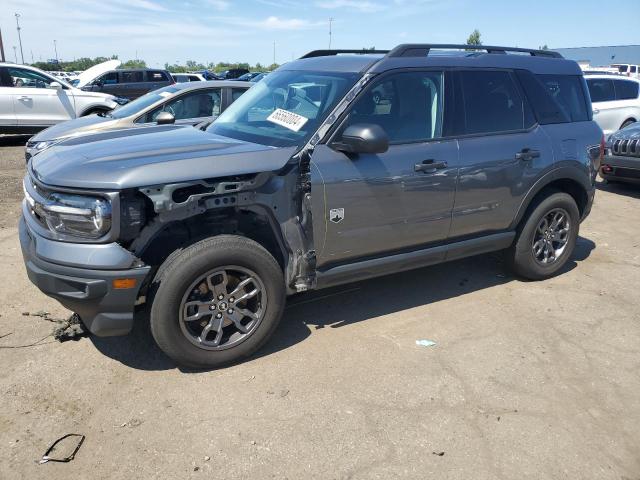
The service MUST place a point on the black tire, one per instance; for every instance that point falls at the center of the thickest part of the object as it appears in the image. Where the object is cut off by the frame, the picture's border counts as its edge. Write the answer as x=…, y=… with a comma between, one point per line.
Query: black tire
x=627, y=123
x=94, y=110
x=521, y=257
x=183, y=268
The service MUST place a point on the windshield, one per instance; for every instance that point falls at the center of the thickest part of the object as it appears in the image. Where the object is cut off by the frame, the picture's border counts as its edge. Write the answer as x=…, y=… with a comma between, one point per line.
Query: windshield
x=285, y=108
x=143, y=102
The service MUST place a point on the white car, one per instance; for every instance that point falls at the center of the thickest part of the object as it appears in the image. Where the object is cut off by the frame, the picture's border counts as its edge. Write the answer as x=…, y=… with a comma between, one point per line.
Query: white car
x=615, y=99
x=31, y=100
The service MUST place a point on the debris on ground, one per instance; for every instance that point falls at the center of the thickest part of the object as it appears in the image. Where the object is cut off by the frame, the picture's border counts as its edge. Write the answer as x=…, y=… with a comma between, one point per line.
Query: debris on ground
x=134, y=422
x=207, y=458
x=425, y=343
x=78, y=440
x=284, y=393
x=440, y=454
x=70, y=329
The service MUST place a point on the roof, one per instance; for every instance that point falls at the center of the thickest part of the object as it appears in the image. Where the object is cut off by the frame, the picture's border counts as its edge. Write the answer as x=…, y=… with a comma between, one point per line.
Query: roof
x=360, y=63
x=211, y=83
x=610, y=76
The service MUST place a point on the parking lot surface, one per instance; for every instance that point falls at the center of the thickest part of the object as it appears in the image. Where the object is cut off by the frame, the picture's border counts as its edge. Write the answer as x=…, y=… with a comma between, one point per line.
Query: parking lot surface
x=526, y=380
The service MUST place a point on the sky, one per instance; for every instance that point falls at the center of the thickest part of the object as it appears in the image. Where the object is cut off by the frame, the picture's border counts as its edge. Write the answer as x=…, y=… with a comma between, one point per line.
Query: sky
x=174, y=31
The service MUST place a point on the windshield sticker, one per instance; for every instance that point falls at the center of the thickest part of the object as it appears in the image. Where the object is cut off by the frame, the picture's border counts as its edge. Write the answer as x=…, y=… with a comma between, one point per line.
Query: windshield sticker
x=164, y=94
x=287, y=119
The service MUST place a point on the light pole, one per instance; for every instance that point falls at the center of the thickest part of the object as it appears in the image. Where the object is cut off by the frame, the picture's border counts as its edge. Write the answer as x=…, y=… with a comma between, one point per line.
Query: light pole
x=17, y=15
x=55, y=48
x=15, y=53
x=330, y=22
x=274, y=52
x=2, y=59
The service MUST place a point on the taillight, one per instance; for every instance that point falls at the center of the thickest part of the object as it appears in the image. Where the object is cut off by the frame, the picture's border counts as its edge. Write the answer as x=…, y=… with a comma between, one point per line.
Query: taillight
x=607, y=169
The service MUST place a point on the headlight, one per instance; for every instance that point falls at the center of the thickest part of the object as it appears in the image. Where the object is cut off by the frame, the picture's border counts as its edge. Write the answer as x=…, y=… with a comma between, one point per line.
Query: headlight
x=41, y=146
x=74, y=215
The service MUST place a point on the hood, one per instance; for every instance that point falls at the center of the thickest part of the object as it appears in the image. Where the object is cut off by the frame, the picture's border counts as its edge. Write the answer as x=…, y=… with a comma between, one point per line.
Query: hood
x=632, y=132
x=91, y=73
x=153, y=155
x=71, y=127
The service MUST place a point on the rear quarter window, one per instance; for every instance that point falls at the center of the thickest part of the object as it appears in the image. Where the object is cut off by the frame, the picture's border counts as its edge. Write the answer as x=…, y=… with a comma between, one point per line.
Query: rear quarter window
x=157, y=76
x=556, y=98
x=601, y=89
x=626, y=89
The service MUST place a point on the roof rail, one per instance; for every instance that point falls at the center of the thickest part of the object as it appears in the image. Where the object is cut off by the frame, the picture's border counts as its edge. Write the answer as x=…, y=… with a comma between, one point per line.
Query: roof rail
x=327, y=53
x=422, y=50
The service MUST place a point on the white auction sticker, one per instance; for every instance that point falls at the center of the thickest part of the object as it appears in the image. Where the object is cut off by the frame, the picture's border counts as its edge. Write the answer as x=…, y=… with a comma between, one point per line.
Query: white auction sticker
x=165, y=94
x=287, y=119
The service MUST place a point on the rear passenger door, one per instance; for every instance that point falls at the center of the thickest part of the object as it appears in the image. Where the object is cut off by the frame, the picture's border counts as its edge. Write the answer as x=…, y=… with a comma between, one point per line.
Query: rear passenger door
x=132, y=84
x=502, y=151
x=372, y=204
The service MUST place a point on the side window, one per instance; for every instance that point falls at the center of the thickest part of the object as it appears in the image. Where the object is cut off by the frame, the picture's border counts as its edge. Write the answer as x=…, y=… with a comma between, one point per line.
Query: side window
x=601, y=89
x=492, y=102
x=236, y=93
x=110, y=78
x=156, y=76
x=132, y=77
x=634, y=68
x=556, y=98
x=21, y=77
x=408, y=106
x=626, y=89
x=201, y=103
x=193, y=78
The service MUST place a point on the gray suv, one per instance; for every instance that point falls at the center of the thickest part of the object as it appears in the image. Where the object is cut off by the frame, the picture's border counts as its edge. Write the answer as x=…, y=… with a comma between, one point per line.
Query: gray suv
x=311, y=179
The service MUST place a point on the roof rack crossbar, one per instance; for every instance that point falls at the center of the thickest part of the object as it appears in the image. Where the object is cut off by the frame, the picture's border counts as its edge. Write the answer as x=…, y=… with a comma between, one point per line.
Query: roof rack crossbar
x=327, y=53
x=422, y=49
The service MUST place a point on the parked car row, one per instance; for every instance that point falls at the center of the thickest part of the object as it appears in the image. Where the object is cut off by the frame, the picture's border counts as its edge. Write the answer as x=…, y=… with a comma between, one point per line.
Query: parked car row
x=182, y=104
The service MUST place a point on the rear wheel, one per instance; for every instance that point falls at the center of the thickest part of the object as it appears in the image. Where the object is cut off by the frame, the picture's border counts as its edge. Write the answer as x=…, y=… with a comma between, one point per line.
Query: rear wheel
x=216, y=301
x=547, y=238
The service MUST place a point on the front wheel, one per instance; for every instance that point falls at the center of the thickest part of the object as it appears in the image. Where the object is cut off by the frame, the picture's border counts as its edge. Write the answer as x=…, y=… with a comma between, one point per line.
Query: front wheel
x=216, y=301
x=547, y=238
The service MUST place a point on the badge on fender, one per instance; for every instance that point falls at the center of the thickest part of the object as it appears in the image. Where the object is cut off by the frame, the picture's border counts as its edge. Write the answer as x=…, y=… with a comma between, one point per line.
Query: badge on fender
x=336, y=215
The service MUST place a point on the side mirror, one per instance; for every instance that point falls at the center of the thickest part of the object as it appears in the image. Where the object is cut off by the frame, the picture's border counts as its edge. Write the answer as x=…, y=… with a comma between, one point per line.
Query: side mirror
x=165, y=118
x=363, y=138
x=55, y=86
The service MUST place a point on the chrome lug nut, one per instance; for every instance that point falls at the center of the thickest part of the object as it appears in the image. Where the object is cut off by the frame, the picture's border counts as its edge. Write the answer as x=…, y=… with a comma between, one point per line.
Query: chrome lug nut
x=219, y=315
x=230, y=311
x=231, y=300
x=220, y=297
x=212, y=307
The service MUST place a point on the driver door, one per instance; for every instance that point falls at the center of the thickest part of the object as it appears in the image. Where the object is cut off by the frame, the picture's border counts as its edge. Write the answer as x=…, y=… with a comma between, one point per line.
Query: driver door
x=369, y=205
x=34, y=103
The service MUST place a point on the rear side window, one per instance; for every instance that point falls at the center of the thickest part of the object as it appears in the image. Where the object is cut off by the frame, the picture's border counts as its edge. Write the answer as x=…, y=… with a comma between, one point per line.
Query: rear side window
x=601, y=89
x=157, y=76
x=626, y=89
x=492, y=103
x=132, y=77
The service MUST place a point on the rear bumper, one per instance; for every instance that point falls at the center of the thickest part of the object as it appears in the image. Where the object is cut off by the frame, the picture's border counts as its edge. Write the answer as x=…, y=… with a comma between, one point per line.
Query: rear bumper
x=621, y=168
x=86, y=290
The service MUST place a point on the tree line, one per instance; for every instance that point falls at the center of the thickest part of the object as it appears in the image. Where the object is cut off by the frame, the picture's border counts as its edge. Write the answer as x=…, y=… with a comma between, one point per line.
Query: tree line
x=84, y=63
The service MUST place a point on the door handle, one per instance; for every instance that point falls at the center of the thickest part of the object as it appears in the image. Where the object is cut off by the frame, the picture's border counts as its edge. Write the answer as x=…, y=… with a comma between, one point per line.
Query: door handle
x=527, y=154
x=429, y=166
